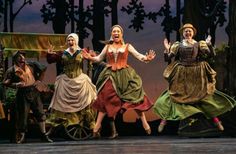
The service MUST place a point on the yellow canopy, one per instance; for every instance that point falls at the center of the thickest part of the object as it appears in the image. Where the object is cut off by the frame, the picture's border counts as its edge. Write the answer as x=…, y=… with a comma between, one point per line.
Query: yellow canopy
x=34, y=43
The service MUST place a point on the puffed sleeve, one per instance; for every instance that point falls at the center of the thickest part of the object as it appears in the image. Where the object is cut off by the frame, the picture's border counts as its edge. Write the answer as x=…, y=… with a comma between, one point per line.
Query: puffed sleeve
x=203, y=46
x=174, y=48
x=206, y=49
x=172, y=52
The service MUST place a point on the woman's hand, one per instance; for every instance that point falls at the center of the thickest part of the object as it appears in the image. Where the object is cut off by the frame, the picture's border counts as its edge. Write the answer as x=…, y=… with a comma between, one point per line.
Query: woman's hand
x=50, y=49
x=86, y=54
x=150, y=55
x=166, y=45
x=91, y=52
x=208, y=39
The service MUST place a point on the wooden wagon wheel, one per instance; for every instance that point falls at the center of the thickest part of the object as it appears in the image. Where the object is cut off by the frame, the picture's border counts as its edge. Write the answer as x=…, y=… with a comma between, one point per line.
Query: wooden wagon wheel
x=77, y=132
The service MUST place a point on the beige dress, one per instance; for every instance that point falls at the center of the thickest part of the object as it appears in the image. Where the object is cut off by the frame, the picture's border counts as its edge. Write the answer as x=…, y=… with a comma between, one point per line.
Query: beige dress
x=74, y=92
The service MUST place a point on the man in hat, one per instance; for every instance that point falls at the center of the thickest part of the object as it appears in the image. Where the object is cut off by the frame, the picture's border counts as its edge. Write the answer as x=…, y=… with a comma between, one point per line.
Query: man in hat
x=26, y=78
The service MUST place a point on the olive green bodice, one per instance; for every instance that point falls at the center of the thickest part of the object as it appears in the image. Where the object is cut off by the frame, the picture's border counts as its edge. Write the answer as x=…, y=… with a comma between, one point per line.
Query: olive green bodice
x=72, y=64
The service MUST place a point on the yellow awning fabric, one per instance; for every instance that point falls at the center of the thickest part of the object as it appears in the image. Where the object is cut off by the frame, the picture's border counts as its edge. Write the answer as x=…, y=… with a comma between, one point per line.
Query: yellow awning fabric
x=33, y=43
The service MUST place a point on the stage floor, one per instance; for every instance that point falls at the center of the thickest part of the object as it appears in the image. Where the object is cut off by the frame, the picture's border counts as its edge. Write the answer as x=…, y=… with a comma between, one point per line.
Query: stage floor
x=126, y=145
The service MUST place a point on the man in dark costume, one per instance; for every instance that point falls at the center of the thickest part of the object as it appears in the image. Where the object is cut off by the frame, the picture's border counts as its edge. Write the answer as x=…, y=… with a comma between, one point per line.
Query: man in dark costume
x=26, y=78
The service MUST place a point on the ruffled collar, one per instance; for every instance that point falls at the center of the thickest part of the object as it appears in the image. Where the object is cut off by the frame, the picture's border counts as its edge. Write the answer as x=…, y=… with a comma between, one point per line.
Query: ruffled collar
x=186, y=42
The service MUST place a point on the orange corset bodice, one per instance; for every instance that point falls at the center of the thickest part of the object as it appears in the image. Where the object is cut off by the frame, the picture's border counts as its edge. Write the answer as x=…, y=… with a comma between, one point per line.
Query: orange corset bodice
x=119, y=62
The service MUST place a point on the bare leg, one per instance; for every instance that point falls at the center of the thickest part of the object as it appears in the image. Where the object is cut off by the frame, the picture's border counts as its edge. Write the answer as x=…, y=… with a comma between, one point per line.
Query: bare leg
x=98, y=124
x=144, y=122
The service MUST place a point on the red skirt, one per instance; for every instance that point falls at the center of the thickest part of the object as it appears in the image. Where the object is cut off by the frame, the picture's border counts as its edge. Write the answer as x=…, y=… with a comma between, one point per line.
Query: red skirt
x=109, y=102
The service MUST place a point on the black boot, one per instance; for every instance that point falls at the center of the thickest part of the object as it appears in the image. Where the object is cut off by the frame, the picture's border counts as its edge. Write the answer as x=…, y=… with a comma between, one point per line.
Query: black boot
x=45, y=138
x=197, y=126
x=20, y=137
x=50, y=131
x=229, y=121
x=114, y=133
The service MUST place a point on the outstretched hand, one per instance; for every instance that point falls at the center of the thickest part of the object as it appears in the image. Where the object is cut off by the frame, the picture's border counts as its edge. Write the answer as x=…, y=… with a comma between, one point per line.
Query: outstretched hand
x=150, y=55
x=50, y=49
x=167, y=45
x=86, y=53
x=208, y=39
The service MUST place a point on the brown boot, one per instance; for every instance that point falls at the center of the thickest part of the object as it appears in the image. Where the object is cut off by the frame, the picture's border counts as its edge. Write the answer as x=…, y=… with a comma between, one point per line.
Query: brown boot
x=114, y=133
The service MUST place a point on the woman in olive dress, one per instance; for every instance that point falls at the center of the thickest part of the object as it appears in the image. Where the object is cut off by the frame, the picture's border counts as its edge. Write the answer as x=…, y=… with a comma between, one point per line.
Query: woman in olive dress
x=191, y=96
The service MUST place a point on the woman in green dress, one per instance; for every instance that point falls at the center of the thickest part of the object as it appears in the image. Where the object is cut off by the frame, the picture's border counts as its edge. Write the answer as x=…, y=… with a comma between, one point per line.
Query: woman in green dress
x=74, y=91
x=191, y=96
x=119, y=86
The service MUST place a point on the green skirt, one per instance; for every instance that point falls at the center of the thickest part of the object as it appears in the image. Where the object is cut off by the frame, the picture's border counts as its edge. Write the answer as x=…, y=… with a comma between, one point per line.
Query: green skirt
x=211, y=106
x=126, y=82
x=87, y=117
